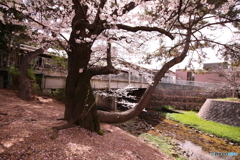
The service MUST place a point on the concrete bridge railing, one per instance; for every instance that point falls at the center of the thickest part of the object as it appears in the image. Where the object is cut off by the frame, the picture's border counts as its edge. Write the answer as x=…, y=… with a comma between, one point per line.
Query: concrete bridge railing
x=119, y=81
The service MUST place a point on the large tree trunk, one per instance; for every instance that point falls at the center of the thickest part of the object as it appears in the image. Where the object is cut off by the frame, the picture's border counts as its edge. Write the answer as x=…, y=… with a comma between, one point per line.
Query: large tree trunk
x=25, y=88
x=238, y=94
x=80, y=107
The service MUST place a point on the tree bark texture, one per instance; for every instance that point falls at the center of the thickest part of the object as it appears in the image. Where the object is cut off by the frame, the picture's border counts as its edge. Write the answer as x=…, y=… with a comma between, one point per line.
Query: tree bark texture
x=80, y=107
x=25, y=88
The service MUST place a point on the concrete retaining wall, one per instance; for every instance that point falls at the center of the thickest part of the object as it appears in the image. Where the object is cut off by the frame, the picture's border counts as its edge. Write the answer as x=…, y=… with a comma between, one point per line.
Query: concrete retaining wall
x=106, y=103
x=169, y=86
x=221, y=111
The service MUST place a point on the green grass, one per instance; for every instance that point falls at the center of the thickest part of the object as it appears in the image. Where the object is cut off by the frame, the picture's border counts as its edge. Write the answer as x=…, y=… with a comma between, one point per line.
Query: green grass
x=231, y=99
x=220, y=130
x=163, y=143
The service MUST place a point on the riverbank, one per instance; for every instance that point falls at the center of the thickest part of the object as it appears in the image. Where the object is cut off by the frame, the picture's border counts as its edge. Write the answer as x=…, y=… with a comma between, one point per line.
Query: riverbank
x=191, y=119
x=184, y=141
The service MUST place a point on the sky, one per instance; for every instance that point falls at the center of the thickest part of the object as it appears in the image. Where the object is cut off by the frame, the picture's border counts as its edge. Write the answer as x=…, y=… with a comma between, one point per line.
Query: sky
x=223, y=36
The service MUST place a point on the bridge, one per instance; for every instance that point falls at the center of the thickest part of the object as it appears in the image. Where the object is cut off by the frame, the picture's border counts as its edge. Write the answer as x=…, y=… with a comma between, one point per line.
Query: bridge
x=55, y=80
x=52, y=76
x=123, y=79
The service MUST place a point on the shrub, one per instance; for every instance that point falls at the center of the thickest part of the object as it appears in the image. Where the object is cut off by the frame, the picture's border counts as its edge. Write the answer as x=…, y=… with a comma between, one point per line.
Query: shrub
x=59, y=94
x=14, y=76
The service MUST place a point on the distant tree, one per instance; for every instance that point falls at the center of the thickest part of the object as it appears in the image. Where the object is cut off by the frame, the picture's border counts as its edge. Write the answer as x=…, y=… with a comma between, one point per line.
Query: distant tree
x=230, y=79
x=102, y=30
x=12, y=36
x=25, y=85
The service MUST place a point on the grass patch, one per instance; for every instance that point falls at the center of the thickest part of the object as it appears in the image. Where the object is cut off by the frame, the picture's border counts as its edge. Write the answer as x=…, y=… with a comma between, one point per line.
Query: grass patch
x=162, y=108
x=230, y=99
x=163, y=143
x=220, y=130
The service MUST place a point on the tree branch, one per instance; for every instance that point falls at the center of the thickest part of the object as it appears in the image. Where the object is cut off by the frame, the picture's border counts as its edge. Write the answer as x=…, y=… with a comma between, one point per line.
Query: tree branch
x=118, y=117
x=97, y=18
x=130, y=6
x=109, y=62
x=35, y=53
x=144, y=28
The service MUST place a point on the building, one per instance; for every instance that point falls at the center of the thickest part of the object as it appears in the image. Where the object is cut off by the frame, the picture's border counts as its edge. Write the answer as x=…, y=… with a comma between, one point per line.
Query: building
x=169, y=77
x=49, y=73
x=212, y=74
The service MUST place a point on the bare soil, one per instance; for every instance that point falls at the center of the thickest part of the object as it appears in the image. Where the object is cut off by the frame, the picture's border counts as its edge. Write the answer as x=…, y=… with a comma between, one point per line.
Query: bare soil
x=26, y=128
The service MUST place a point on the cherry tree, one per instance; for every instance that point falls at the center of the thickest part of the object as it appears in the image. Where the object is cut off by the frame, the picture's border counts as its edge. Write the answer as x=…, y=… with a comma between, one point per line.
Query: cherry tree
x=37, y=25
x=230, y=79
x=103, y=31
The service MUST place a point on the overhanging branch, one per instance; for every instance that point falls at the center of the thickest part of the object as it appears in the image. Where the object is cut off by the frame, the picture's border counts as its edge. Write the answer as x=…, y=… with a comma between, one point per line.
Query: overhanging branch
x=144, y=28
x=118, y=117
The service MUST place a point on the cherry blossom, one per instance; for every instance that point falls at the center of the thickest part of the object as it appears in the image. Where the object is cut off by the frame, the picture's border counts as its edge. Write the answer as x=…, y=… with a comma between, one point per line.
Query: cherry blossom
x=102, y=32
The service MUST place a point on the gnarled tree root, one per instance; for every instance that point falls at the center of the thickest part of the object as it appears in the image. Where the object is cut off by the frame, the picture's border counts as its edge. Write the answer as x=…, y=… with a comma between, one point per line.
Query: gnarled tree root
x=58, y=128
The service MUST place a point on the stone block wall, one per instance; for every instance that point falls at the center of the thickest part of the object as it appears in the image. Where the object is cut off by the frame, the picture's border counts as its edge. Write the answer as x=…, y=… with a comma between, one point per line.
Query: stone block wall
x=221, y=111
x=180, y=97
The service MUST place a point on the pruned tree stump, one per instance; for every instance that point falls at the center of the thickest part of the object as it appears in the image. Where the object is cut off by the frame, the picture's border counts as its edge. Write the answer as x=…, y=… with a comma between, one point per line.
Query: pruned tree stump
x=221, y=111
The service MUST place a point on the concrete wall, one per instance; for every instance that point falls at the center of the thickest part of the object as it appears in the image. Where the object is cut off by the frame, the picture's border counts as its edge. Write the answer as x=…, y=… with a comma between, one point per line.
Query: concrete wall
x=106, y=103
x=221, y=112
x=182, y=97
x=54, y=82
x=48, y=83
x=168, y=86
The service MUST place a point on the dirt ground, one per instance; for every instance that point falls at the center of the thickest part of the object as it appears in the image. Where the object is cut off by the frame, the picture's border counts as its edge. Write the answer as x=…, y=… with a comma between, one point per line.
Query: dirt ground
x=25, y=131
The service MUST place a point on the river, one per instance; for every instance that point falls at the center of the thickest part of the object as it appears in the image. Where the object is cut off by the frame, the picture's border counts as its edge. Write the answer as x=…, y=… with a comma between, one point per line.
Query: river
x=195, y=144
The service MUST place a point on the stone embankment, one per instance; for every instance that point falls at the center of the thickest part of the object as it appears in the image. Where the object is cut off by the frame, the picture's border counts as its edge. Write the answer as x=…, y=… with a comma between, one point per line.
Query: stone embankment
x=183, y=99
x=221, y=111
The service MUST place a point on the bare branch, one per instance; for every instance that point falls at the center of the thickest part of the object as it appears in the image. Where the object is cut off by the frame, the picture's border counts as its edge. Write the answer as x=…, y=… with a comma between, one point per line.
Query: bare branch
x=130, y=6
x=109, y=62
x=97, y=18
x=144, y=28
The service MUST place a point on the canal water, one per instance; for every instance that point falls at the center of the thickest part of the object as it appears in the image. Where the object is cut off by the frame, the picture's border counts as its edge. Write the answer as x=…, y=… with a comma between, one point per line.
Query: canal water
x=195, y=144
